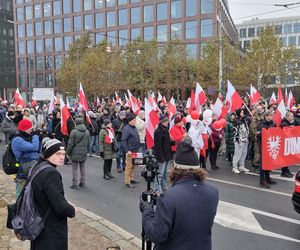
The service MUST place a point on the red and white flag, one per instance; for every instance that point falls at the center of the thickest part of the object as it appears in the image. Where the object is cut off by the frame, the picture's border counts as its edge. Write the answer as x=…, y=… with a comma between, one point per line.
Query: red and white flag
x=65, y=115
x=33, y=101
x=219, y=109
x=153, y=102
x=82, y=102
x=171, y=108
x=254, y=95
x=291, y=101
x=233, y=98
x=279, y=96
x=98, y=103
x=159, y=96
x=151, y=122
x=134, y=103
x=192, y=102
x=52, y=102
x=18, y=99
x=200, y=97
x=286, y=96
x=279, y=113
x=118, y=100
x=273, y=99
x=68, y=104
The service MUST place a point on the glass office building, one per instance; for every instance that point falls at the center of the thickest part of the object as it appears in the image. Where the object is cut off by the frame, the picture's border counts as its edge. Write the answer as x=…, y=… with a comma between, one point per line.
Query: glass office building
x=45, y=29
x=7, y=50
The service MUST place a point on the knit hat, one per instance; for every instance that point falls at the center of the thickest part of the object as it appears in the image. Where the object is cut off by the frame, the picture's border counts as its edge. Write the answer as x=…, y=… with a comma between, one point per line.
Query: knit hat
x=163, y=119
x=10, y=113
x=78, y=121
x=51, y=146
x=177, y=120
x=24, y=125
x=186, y=156
x=130, y=117
x=106, y=122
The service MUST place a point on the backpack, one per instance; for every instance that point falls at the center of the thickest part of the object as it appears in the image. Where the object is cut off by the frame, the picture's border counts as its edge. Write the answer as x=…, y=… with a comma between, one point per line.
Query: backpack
x=27, y=222
x=9, y=162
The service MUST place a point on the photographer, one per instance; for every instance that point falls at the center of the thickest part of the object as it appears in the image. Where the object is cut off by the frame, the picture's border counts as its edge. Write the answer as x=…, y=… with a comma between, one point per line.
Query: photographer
x=184, y=215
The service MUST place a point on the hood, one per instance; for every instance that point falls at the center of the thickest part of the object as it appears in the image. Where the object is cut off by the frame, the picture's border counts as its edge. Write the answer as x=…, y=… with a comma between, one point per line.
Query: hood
x=81, y=128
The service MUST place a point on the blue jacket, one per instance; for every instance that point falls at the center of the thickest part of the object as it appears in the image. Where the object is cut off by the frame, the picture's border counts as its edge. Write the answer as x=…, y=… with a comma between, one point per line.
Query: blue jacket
x=184, y=216
x=131, y=139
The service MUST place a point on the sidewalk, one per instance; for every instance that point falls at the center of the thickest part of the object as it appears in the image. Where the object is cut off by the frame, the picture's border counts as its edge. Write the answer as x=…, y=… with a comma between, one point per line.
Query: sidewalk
x=86, y=231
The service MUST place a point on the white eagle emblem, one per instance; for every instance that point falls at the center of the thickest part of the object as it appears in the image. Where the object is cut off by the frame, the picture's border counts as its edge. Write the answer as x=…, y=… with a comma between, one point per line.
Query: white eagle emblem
x=274, y=143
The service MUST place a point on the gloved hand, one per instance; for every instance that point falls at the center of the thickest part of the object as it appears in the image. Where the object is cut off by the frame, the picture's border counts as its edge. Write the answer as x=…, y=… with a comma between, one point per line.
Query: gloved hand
x=102, y=154
x=143, y=204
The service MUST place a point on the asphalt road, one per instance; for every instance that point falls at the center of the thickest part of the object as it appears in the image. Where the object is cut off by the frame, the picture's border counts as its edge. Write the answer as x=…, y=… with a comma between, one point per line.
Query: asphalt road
x=248, y=217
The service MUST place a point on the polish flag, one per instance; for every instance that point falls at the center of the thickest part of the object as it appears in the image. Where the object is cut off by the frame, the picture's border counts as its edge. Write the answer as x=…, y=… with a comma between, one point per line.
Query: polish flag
x=118, y=100
x=233, y=98
x=65, y=115
x=151, y=122
x=273, y=99
x=18, y=99
x=171, y=108
x=68, y=104
x=188, y=103
x=286, y=96
x=279, y=113
x=52, y=101
x=291, y=101
x=192, y=101
x=127, y=101
x=254, y=95
x=279, y=96
x=153, y=103
x=83, y=103
x=98, y=103
x=200, y=97
x=153, y=97
x=159, y=96
x=219, y=109
x=134, y=103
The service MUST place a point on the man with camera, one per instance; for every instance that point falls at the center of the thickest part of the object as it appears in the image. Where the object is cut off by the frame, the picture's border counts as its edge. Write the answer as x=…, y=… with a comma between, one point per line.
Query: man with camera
x=184, y=215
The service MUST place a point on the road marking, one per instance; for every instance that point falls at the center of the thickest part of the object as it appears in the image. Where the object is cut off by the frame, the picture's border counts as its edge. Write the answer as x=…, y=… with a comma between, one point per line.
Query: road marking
x=246, y=186
x=242, y=218
x=274, y=177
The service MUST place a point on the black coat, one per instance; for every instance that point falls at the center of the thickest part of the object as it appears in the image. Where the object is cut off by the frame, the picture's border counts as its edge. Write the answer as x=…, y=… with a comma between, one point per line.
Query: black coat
x=56, y=129
x=48, y=191
x=162, y=144
x=286, y=123
x=184, y=216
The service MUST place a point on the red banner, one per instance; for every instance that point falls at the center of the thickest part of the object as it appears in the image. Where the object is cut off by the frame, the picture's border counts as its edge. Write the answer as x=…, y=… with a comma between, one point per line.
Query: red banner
x=280, y=147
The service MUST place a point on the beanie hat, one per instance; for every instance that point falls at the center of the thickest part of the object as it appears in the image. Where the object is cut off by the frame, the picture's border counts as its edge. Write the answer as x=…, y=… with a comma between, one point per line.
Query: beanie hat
x=10, y=113
x=51, y=146
x=186, y=156
x=130, y=117
x=24, y=125
x=177, y=120
x=78, y=121
x=106, y=122
x=163, y=119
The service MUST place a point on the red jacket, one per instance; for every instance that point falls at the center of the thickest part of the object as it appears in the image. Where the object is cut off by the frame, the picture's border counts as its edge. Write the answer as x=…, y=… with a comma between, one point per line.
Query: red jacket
x=176, y=134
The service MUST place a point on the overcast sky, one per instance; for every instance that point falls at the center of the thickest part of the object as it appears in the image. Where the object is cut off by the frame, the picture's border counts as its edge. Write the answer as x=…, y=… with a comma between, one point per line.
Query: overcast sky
x=243, y=10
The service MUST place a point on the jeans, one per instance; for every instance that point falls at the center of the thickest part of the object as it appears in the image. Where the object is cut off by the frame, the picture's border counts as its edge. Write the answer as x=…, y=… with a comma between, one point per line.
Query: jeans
x=120, y=155
x=160, y=182
x=263, y=174
x=81, y=165
x=94, y=144
x=213, y=154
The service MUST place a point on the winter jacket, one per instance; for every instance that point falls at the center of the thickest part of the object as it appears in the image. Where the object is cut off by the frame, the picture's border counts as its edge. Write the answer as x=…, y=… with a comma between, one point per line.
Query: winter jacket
x=254, y=127
x=48, y=192
x=56, y=129
x=9, y=128
x=286, y=123
x=118, y=125
x=78, y=143
x=41, y=120
x=107, y=144
x=93, y=127
x=183, y=217
x=229, y=136
x=215, y=136
x=102, y=118
x=176, y=133
x=162, y=144
x=241, y=131
x=130, y=139
x=141, y=128
x=70, y=124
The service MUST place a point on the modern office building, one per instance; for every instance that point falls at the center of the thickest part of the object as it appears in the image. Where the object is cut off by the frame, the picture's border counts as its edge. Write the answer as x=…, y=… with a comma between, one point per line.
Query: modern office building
x=45, y=29
x=7, y=50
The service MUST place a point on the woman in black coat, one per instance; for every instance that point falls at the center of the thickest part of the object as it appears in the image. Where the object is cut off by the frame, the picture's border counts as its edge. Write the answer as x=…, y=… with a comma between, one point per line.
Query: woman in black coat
x=49, y=196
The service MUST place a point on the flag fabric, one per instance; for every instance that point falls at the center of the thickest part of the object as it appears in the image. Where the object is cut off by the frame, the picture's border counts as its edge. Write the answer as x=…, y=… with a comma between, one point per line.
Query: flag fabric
x=291, y=101
x=200, y=97
x=273, y=99
x=153, y=103
x=219, y=109
x=159, y=96
x=65, y=115
x=68, y=104
x=52, y=102
x=127, y=101
x=233, y=98
x=192, y=101
x=118, y=100
x=279, y=95
x=172, y=108
x=279, y=113
x=33, y=101
x=98, y=103
x=151, y=122
x=18, y=99
x=134, y=103
x=82, y=99
x=286, y=96
x=254, y=95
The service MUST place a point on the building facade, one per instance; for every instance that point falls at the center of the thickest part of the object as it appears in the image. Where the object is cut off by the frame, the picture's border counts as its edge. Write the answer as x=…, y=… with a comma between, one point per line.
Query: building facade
x=45, y=29
x=7, y=50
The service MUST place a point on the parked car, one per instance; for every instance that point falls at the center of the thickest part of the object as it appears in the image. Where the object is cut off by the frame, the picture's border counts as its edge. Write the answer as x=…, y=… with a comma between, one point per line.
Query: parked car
x=296, y=194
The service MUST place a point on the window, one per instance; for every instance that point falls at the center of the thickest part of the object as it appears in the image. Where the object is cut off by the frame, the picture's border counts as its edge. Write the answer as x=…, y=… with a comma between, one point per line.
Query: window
x=299, y=40
x=296, y=27
x=39, y=63
x=76, y=5
x=56, y=8
x=77, y=23
x=259, y=30
x=278, y=29
x=135, y=1
x=161, y=11
x=28, y=12
x=29, y=29
x=191, y=8
x=19, y=1
x=251, y=32
x=66, y=6
x=30, y=47
x=20, y=14
x=246, y=44
x=88, y=22
x=135, y=15
x=47, y=9
x=87, y=4
x=39, y=46
x=110, y=3
x=38, y=11
x=58, y=61
x=99, y=4
x=57, y=26
x=135, y=34
x=123, y=17
x=191, y=30
x=49, y=78
x=47, y=27
x=287, y=28
x=111, y=37
x=99, y=20
x=57, y=44
x=206, y=28
x=48, y=45
x=21, y=63
x=176, y=30
x=243, y=33
x=191, y=50
x=67, y=42
x=110, y=18
x=123, y=2
x=162, y=33
x=148, y=13
x=292, y=41
x=22, y=80
x=206, y=6
x=67, y=24
x=21, y=30
x=38, y=29
x=40, y=79
x=123, y=37
x=148, y=33
x=22, y=48
x=99, y=37
x=176, y=9
x=283, y=41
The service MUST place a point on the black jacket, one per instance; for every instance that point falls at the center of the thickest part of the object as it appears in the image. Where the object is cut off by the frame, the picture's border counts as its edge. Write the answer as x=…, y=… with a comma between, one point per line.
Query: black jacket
x=48, y=192
x=118, y=125
x=93, y=127
x=56, y=129
x=286, y=123
x=162, y=144
x=70, y=124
